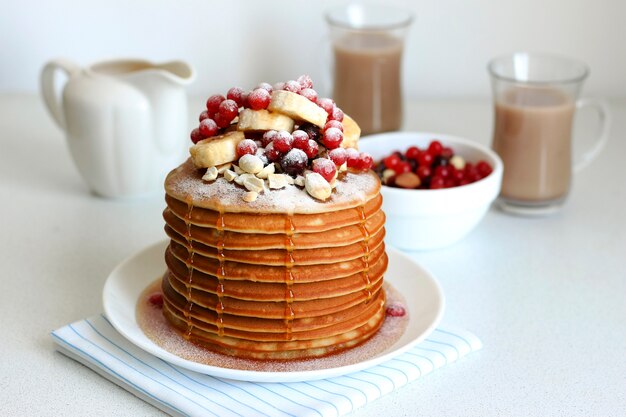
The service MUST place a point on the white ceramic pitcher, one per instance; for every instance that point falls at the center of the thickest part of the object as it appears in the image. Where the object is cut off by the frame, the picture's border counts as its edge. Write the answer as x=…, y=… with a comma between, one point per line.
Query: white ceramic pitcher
x=125, y=121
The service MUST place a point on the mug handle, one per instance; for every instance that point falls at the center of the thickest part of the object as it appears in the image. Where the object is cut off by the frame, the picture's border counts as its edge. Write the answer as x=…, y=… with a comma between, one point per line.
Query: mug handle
x=53, y=103
x=604, y=115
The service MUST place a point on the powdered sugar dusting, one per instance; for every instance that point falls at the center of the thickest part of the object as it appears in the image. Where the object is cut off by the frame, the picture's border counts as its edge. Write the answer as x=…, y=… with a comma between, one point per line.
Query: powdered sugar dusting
x=157, y=329
x=185, y=184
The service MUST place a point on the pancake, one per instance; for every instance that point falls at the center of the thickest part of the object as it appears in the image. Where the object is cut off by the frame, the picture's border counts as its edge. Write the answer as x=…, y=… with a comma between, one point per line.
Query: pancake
x=283, y=277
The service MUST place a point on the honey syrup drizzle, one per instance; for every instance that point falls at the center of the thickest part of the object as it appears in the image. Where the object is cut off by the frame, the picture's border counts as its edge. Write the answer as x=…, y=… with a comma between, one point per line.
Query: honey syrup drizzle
x=366, y=250
x=189, y=263
x=219, y=308
x=289, y=278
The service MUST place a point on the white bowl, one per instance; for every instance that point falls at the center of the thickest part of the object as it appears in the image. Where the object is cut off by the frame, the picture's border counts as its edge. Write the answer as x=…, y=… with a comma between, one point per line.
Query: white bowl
x=430, y=219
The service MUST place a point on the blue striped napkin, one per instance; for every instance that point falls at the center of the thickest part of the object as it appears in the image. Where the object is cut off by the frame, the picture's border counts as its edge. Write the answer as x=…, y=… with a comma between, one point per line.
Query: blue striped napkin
x=179, y=392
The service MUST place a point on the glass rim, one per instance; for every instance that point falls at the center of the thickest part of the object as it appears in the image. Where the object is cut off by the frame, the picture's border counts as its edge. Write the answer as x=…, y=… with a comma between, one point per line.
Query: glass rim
x=401, y=23
x=584, y=69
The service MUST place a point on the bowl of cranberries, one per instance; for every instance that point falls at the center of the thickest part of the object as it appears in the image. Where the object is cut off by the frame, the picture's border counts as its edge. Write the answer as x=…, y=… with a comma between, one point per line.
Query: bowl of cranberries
x=436, y=187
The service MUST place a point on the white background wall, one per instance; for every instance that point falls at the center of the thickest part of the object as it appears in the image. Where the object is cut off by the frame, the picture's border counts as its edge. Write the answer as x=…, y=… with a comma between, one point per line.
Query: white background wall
x=239, y=42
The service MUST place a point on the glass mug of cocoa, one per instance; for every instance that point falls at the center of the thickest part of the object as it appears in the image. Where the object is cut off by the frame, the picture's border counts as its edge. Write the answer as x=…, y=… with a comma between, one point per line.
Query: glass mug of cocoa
x=367, y=43
x=535, y=99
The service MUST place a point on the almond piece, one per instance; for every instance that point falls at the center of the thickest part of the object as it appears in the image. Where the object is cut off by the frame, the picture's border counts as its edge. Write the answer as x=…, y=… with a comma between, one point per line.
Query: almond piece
x=250, y=196
x=317, y=186
x=211, y=174
x=408, y=180
x=251, y=163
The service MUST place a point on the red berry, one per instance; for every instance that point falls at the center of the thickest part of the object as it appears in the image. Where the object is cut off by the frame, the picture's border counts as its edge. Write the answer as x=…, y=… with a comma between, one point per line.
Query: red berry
x=208, y=128
x=392, y=161
x=425, y=159
x=446, y=153
x=337, y=114
x=272, y=154
x=279, y=86
x=436, y=183
x=268, y=137
x=352, y=157
x=402, y=167
x=458, y=174
x=338, y=156
x=310, y=94
x=259, y=99
x=325, y=167
x=366, y=161
x=327, y=104
x=312, y=149
x=222, y=122
x=156, y=300
x=266, y=86
x=423, y=172
x=236, y=94
x=300, y=139
x=228, y=109
x=464, y=181
x=292, y=86
x=395, y=310
x=196, y=136
x=213, y=103
x=294, y=162
x=435, y=148
x=305, y=81
x=203, y=115
x=283, y=141
x=413, y=153
x=449, y=183
x=244, y=100
x=246, y=147
x=483, y=169
x=332, y=138
x=333, y=123
x=442, y=171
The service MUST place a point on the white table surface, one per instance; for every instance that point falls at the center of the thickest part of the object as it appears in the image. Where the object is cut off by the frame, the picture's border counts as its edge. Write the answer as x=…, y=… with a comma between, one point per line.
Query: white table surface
x=547, y=296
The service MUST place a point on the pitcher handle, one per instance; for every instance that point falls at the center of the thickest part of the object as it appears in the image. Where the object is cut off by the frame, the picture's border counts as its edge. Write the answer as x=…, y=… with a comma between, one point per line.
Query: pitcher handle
x=604, y=115
x=53, y=103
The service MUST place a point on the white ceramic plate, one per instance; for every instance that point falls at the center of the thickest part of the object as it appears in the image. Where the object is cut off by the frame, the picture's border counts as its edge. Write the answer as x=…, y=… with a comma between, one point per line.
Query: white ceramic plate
x=124, y=285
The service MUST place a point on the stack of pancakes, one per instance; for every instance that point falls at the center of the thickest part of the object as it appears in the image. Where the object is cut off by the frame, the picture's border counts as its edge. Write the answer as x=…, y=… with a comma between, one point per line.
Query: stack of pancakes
x=283, y=277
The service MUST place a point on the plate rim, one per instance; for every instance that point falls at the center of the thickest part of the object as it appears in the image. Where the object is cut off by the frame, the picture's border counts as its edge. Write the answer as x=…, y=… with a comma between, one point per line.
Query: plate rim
x=264, y=376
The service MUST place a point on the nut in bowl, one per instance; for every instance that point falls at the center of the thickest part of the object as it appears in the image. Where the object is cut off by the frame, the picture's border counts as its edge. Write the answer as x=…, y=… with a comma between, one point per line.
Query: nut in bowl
x=422, y=219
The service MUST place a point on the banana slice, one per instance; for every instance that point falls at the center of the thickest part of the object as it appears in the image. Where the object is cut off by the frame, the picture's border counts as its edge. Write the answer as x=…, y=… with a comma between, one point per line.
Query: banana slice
x=351, y=133
x=297, y=107
x=261, y=120
x=217, y=150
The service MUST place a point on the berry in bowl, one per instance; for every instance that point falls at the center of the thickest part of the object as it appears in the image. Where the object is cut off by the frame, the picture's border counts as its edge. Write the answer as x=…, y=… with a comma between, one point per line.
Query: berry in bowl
x=436, y=187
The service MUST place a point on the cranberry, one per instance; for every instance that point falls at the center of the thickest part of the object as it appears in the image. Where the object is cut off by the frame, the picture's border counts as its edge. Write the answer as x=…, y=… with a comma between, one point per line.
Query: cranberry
x=352, y=157
x=338, y=156
x=436, y=183
x=392, y=161
x=435, y=148
x=246, y=146
x=337, y=114
x=228, y=109
x=294, y=162
x=449, y=183
x=464, y=181
x=365, y=161
x=333, y=138
x=310, y=94
x=213, y=103
x=442, y=171
x=333, y=123
x=425, y=159
x=221, y=121
x=471, y=173
x=446, y=152
x=413, y=153
x=327, y=104
x=236, y=94
x=305, y=81
x=292, y=86
x=402, y=167
x=283, y=142
x=325, y=167
x=273, y=155
x=311, y=130
x=203, y=115
x=300, y=139
x=196, y=136
x=244, y=100
x=423, y=172
x=458, y=174
x=208, y=128
x=268, y=137
x=266, y=86
x=259, y=99
x=483, y=169
x=312, y=149
x=395, y=310
x=156, y=300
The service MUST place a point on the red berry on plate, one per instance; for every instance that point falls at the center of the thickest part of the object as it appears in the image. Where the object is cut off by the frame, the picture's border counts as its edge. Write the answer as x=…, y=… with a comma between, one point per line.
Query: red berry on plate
x=337, y=114
x=236, y=94
x=327, y=104
x=338, y=156
x=366, y=161
x=228, y=109
x=333, y=123
x=156, y=300
x=325, y=167
x=402, y=167
x=294, y=162
x=353, y=157
x=332, y=138
x=208, y=128
x=266, y=86
x=259, y=99
x=221, y=121
x=246, y=147
x=312, y=149
x=283, y=141
x=268, y=137
x=292, y=86
x=425, y=159
x=413, y=153
x=272, y=154
x=435, y=148
x=423, y=172
x=196, y=136
x=305, y=81
x=395, y=310
x=392, y=161
x=300, y=139
x=436, y=183
x=203, y=115
x=213, y=103
x=310, y=94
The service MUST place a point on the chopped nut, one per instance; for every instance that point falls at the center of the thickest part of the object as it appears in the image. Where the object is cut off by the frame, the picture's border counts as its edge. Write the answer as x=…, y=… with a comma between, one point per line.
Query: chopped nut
x=457, y=161
x=251, y=163
x=222, y=168
x=270, y=169
x=299, y=181
x=253, y=183
x=238, y=170
x=289, y=179
x=408, y=180
x=211, y=174
x=229, y=175
x=250, y=196
x=317, y=186
x=277, y=181
x=239, y=180
x=343, y=167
